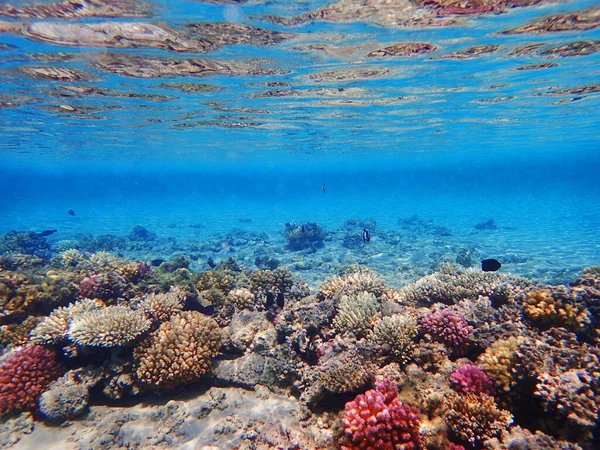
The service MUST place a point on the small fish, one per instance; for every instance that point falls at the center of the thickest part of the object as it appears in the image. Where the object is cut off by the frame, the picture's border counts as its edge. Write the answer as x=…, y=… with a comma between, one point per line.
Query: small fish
x=280, y=300
x=157, y=262
x=211, y=263
x=270, y=300
x=71, y=212
x=47, y=233
x=324, y=187
x=490, y=265
x=366, y=235
x=208, y=310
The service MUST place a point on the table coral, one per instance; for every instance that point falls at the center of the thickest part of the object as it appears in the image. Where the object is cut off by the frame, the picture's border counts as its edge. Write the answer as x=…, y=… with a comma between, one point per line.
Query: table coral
x=476, y=418
x=24, y=375
x=54, y=328
x=179, y=352
x=378, y=419
x=448, y=327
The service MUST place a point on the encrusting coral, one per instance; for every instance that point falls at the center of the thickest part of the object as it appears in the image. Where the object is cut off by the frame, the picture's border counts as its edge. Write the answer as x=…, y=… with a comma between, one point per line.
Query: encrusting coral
x=179, y=352
x=24, y=375
x=397, y=332
x=378, y=419
x=476, y=418
x=108, y=327
x=357, y=314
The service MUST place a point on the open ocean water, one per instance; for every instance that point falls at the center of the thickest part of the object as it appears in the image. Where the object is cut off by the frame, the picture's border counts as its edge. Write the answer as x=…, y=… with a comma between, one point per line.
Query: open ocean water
x=194, y=131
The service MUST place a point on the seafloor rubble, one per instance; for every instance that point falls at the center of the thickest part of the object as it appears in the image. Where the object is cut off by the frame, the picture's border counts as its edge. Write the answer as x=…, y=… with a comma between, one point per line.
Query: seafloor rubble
x=234, y=357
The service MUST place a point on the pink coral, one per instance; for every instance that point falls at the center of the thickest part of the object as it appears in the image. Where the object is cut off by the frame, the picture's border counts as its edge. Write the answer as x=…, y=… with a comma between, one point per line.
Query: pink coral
x=448, y=327
x=24, y=375
x=378, y=420
x=469, y=378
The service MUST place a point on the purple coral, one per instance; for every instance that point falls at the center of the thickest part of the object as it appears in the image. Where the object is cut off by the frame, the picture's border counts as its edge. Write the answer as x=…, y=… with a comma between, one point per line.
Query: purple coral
x=469, y=378
x=448, y=327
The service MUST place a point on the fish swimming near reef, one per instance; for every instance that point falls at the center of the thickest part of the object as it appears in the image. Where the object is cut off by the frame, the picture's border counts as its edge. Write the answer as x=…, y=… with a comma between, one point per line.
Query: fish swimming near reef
x=490, y=265
x=366, y=235
x=46, y=233
x=324, y=188
x=157, y=262
x=71, y=212
x=280, y=300
x=487, y=225
x=211, y=263
x=208, y=310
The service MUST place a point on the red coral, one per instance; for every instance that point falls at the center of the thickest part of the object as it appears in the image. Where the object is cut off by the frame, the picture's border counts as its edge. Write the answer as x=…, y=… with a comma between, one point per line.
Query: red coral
x=448, y=327
x=24, y=375
x=469, y=378
x=378, y=420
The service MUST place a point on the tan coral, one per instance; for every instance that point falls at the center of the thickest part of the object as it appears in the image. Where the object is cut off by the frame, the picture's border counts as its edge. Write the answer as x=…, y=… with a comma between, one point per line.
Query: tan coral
x=357, y=314
x=161, y=307
x=363, y=280
x=54, y=328
x=398, y=332
x=241, y=298
x=108, y=327
x=554, y=306
x=500, y=362
x=476, y=418
x=179, y=352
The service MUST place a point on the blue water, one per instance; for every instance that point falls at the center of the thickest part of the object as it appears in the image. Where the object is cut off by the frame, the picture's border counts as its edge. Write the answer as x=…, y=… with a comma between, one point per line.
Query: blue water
x=418, y=140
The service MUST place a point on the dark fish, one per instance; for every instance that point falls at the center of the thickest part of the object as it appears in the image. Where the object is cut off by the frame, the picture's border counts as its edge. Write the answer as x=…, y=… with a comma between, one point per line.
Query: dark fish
x=280, y=300
x=270, y=299
x=366, y=235
x=490, y=265
x=244, y=220
x=47, y=233
x=324, y=187
x=157, y=262
x=71, y=212
x=209, y=310
x=487, y=225
x=211, y=263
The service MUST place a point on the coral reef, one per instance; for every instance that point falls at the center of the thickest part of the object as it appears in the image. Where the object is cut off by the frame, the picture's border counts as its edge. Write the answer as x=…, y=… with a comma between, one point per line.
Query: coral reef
x=476, y=418
x=303, y=237
x=358, y=279
x=448, y=327
x=24, y=375
x=357, y=314
x=108, y=327
x=179, y=352
x=378, y=419
x=501, y=361
x=398, y=333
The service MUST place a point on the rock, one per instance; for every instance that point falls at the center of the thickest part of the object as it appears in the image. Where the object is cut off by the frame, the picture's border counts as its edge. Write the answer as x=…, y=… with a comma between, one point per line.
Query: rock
x=63, y=402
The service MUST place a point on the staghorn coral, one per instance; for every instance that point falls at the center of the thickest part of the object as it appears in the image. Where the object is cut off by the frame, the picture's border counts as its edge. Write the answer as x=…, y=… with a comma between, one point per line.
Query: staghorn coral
x=501, y=362
x=573, y=395
x=378, y=419
x=112, y=326
x=161, y=307
x=451, y=284
x=24, y=375
x=361, y=279
x=54, y=328
x=448, y=327
x=397, y=332
x=357, y=314
x=554, y=306
x=470, y=379
x=476, y=418
x=241, y=298
x=179, y=352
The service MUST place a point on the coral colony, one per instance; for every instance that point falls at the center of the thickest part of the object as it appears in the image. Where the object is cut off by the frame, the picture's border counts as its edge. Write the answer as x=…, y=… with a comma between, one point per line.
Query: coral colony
x=459, y=359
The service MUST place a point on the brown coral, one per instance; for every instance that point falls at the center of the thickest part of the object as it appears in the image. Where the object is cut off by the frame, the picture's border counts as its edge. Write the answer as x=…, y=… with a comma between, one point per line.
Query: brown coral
x=179, y=352
x=357, y=314
x=476, y=418
x=501, y=360
x=554, y=306
x=161, y=307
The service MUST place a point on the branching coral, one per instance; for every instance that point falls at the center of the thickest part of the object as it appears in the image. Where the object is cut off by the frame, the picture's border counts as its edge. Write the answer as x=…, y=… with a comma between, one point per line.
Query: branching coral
x=360, y=280
x=501, y=362
x=357, y=314
x=54, y=328
x=448, y=327
x=24, y=375
x=161, y=307
x=476, y=418
x=397, y=332
x=108, y=327
x=470, y=379
x=553, y=306
x=451, y=285
x=378, y=419
x=179, y=352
